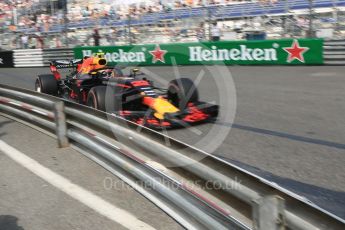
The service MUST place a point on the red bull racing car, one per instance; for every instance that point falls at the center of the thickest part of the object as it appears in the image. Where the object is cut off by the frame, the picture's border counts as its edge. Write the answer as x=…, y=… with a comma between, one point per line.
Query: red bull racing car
x=133, y=97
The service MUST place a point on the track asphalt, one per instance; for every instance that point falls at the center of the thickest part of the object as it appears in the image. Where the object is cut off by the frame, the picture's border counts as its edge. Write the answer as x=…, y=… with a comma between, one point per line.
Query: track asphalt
x=31, y=201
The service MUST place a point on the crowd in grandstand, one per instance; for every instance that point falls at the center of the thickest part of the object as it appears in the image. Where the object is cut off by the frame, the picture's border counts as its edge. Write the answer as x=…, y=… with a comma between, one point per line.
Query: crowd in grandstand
x=40, y=14
x=121, y=9
x=80, y=9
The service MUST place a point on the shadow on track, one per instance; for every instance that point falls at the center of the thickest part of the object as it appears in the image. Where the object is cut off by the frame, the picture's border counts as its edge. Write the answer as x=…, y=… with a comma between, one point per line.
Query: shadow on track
x=3, y=123
x=284, y=135
x=330, y=200
x=8, y=222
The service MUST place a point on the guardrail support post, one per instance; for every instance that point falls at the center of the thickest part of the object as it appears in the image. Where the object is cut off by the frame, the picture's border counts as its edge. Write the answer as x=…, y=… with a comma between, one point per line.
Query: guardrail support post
x=268, y=213
x=61, y=126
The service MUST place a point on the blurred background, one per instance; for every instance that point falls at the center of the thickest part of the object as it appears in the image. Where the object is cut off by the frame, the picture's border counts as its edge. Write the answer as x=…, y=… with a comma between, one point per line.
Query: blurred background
x=68, y=23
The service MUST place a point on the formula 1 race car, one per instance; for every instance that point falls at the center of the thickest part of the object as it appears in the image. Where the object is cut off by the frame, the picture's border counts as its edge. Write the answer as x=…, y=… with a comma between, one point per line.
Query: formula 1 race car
x=91, y=82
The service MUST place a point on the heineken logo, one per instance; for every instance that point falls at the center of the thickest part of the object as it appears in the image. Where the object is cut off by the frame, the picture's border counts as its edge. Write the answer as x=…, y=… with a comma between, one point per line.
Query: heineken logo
x=243, y=53
x=120, y=56
x=296, y=52
x=135, y=57
x=158, y=54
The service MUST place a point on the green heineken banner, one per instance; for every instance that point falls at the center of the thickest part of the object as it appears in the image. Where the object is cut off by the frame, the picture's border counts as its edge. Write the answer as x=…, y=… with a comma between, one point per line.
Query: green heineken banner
x=267, y=52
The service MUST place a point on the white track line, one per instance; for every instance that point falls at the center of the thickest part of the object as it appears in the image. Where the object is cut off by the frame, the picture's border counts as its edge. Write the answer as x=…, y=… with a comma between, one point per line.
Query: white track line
x=87, y=198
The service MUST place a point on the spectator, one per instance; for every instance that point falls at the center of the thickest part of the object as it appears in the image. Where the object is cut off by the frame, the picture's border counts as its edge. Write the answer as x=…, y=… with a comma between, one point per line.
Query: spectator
x=25, y=41
x=215, y=32
x=200, y=33
x=32, y=42
x=40, y=41
x=96, y=37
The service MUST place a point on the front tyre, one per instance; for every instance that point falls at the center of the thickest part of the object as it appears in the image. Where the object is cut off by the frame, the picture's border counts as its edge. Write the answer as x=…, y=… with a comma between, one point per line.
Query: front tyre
x=46, y=83
x=104, y=98
x=96, y=98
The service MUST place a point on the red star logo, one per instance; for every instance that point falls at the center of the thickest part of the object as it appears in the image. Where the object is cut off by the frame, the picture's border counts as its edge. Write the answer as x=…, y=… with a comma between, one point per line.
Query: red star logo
x=158, y=54
x=296, y=52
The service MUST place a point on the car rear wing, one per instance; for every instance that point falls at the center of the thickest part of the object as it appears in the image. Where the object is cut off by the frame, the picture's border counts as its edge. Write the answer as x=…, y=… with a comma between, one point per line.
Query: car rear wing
x=55, y=65
x=63, y=64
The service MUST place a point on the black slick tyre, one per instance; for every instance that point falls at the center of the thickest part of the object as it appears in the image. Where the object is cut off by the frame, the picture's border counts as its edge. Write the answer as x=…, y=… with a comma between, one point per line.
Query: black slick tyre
x=46, y=83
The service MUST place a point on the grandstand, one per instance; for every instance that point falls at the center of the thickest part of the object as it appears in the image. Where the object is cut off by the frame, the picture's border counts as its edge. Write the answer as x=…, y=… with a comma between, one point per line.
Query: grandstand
x=165, y=21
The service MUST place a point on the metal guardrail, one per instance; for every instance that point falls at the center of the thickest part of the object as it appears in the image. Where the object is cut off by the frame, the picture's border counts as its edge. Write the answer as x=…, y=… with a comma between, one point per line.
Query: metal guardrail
x=54, y=54
x=28, y=58
x=143, y=157
x=39, y=57
x=334, y=52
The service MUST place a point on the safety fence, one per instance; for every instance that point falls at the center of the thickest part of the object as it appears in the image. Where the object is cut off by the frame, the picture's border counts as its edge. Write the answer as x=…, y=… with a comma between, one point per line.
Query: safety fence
x=174, y=176
x=266, y=52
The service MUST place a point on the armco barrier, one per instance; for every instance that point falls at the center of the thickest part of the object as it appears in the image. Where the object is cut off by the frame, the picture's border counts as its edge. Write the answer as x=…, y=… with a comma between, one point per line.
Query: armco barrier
x=56, y=54
x=266, y=52
x=143, y=158
x=6, y=59
x=39, y=57
x=28, y=58
x=334, y=52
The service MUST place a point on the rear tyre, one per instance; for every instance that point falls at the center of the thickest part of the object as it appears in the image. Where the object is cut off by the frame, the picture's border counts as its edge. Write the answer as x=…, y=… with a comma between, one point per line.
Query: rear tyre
x=46, y=83
x=181, y=92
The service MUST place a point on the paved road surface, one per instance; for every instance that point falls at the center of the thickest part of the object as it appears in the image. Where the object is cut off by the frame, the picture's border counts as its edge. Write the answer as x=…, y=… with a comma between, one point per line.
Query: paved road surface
x=289, y=125
x=29, y=202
